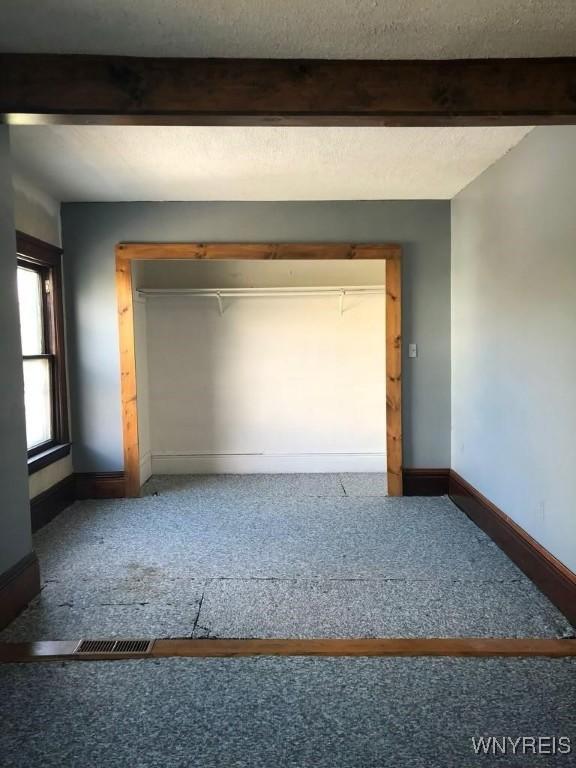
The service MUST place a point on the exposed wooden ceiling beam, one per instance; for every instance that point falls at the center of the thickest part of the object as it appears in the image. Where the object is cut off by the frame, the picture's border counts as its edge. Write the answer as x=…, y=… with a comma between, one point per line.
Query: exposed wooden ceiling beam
x=43, y=88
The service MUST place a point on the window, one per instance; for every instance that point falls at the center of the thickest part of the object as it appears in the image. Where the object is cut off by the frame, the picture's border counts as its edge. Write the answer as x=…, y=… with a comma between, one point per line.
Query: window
x=42, y=334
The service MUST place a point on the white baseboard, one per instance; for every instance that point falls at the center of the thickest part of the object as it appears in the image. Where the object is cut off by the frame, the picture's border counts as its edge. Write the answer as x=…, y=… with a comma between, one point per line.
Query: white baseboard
x=145, y=467
x=250, y=463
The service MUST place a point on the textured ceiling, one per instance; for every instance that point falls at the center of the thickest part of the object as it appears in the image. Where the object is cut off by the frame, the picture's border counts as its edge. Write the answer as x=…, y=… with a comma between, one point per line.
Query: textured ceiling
x=405, y=29
x=95, y=163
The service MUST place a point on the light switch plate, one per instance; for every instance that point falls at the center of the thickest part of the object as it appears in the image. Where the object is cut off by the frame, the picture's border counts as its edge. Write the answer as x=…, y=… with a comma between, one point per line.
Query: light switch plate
x=412, y=350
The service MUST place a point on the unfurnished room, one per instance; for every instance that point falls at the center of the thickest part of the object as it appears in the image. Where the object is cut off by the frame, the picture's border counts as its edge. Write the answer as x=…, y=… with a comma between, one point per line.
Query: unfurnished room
x=287, y=413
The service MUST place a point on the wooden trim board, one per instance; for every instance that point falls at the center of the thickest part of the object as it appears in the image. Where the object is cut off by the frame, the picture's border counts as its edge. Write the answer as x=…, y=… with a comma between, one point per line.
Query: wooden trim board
x=426, y=482
x=365, y=647
x=18, y=586
x=204, y=648
x=391, y=253
x=256, y=251
x=56, y=88
x=553, y=578
x=394, y=374
x=100, y=485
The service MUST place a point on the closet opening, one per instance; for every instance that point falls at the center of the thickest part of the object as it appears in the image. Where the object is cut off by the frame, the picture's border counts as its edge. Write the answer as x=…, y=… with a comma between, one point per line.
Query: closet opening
x=252, y=359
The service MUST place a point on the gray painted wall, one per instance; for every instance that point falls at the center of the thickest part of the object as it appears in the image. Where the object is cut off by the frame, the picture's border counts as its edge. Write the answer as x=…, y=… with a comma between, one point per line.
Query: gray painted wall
x=514, y=336
x=91, y=230
x=15, y=537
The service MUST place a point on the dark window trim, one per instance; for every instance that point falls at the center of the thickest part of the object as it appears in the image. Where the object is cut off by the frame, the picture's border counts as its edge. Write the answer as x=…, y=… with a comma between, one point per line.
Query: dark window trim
x=47, y=457
x=33, y=252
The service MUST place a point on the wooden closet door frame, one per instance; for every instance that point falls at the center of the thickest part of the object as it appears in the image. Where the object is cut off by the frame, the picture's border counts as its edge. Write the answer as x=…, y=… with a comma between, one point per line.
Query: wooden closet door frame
x=126, y=253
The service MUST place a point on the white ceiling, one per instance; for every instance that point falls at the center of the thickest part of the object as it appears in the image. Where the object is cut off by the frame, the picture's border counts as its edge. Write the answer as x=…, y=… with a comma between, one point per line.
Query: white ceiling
x=114, y=163
x=404, y=29
x=118, y=163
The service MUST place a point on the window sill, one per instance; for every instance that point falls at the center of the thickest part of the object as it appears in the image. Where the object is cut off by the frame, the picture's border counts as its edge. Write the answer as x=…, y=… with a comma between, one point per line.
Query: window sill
x=44, y=459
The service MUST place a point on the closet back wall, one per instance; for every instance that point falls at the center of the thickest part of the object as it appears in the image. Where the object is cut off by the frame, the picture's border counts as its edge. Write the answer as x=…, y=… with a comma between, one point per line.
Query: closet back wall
x=91, y=231
x=275, y=383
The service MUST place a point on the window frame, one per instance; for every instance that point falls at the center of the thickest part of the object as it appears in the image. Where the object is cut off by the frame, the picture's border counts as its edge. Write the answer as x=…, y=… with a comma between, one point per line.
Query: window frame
x=45, y=259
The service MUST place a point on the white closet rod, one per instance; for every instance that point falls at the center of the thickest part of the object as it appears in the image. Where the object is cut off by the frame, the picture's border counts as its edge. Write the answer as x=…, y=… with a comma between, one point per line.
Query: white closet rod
x=235, y=293
x=225, y=293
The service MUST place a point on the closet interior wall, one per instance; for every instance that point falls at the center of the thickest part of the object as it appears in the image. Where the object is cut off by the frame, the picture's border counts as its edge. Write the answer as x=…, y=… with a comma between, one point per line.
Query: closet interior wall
x=281, y=373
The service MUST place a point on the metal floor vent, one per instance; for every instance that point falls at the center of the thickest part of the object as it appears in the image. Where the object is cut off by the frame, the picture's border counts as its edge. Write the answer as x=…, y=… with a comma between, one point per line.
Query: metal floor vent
x=120, y=647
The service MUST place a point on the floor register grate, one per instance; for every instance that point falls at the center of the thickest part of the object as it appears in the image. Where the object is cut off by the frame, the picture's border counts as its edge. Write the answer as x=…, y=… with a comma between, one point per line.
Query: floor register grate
x=116, y=647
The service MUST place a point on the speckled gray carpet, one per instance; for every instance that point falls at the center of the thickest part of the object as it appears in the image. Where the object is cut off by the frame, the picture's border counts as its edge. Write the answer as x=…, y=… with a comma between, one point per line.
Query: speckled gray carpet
x=276, y=556
x=283, y=712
